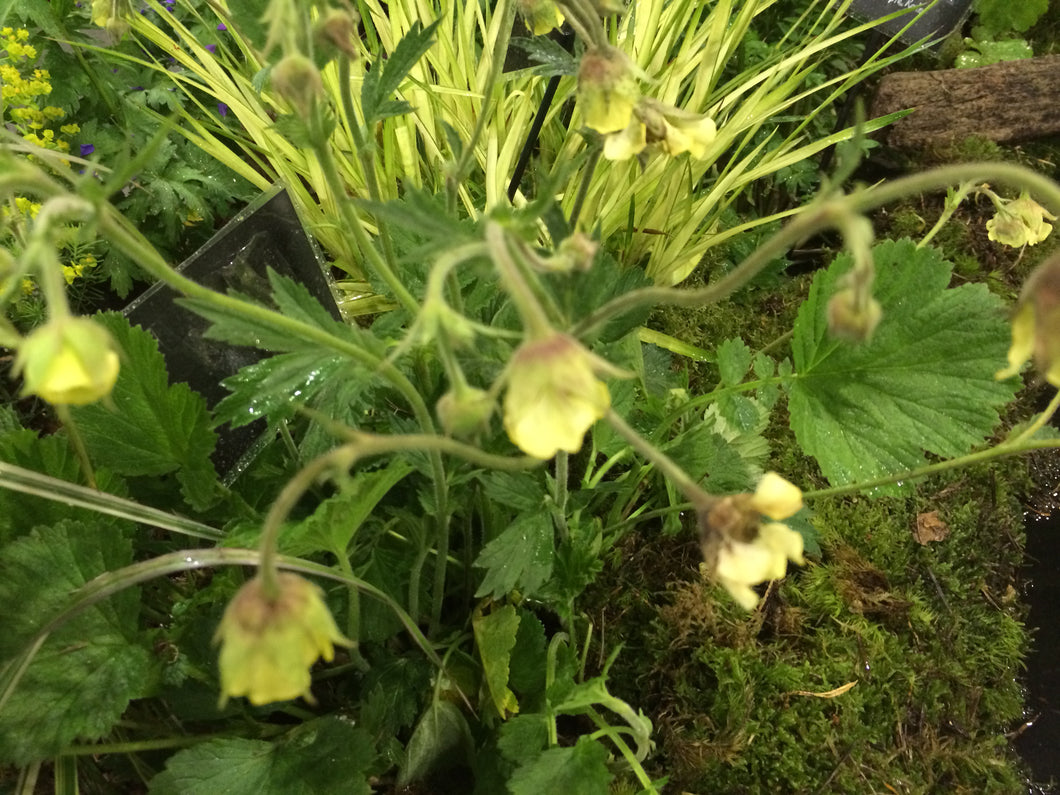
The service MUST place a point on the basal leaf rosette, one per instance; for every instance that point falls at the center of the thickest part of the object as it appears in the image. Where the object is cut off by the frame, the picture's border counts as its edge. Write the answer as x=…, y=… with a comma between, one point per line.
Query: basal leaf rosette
x=744, y=540
x=69, y=361
x=554, y=395
x=268, y=643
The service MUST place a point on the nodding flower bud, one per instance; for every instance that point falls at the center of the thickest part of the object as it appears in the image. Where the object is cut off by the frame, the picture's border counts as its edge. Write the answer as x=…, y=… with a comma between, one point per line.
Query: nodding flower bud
x=853, y=320
x=607, y=89
x=540, y=16
x=297, y=80
x=268, y=643
x=464, y=411
x=338, y=28
x=69, y=361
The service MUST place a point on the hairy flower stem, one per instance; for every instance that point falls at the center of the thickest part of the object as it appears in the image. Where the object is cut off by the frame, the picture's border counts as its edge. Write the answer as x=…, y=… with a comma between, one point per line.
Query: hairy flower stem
x=662, y=462
x=1002, y=450
x=339, y=459
x=535, y=321
x=822, y=214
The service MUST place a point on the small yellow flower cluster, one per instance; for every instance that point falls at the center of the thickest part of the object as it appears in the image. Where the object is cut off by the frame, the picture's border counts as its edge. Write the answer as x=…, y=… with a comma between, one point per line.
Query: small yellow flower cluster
x=612, y=105
x=21, y=90
x=741, y=550
x=13, y=41
x=77, y=267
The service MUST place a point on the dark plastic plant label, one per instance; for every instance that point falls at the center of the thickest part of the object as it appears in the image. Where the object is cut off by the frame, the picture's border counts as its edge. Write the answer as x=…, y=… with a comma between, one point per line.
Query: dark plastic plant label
x=267, y=234
x=934, y=23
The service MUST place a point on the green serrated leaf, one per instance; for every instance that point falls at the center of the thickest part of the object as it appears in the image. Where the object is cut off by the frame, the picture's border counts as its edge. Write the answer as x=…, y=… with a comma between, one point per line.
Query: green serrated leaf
x=581, y=770
x=50, y=455
x=277, y=386
x=523, y=491
x=523, y=738
x=522, y=555
x=442, y=739
x=701, y=452
x=924, y=383
x=734, y=360
x=324, y=755
x=80, y=682
x=528, y=663
x=336, y=521
x=385, y=77
x=495, y=635
x=149, y=427
x=740, y=411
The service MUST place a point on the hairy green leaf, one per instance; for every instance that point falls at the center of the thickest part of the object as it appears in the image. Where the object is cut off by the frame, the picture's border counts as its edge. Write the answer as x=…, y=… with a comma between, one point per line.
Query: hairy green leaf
x=924, y=383
x=520, y=556
x=150, y=427
x=384, y=77
x=734, y=360
x=324, y=755
x=581, y=770
x=82, y=679
x=442, y=739
x=495, y=638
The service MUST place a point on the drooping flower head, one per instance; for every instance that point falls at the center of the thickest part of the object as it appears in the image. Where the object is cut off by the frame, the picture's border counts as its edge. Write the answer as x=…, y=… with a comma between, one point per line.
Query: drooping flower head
x=740, y=549
x=554, y=395
x=69, y=361
x=540, y=16
x=1036, y=324
x=1020, y=222
x=269, y=644
x=607, y=89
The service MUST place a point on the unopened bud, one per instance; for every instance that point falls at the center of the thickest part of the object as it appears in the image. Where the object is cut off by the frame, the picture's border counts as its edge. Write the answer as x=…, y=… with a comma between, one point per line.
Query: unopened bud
x=297, y=80
x=853, y=320
x=464, y=412
x=338, y=28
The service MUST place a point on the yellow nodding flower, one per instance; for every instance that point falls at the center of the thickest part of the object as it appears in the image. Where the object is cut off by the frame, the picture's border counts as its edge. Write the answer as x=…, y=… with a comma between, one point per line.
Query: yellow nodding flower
x=68, y=362
x=540, y=16
x=269, y=644
x=1036, y=324
x=553, y=395
x=607, y=89
x=740, y=549
x=1020, y=222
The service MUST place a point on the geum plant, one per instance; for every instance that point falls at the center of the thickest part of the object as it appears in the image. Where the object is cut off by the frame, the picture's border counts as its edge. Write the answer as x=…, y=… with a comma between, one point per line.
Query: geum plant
x=395, y=506
x=458, y=109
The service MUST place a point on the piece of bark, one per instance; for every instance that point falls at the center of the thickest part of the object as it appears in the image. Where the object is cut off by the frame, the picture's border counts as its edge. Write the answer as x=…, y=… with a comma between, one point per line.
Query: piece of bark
x=1005, y=102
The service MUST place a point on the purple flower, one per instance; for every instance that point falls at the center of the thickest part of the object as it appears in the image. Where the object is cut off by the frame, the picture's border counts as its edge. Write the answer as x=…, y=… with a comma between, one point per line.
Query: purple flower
x=222, y=108
x=222, y=26
x=87, y=149
x=212, y=48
